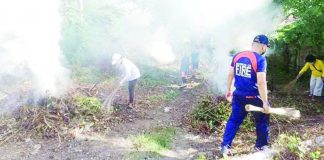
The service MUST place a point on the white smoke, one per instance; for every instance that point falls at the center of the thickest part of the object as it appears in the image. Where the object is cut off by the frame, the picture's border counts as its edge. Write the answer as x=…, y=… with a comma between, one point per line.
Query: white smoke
x=228, y=25
x=30, y=35
x=161, y=48
x=30, y=55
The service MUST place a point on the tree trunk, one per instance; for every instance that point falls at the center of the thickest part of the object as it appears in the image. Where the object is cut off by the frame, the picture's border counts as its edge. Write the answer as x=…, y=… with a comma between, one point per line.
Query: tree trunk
x=296, y=61
x=287, y=58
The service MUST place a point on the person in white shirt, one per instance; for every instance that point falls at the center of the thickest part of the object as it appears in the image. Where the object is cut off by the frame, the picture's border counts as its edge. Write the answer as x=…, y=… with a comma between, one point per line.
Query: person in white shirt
x=130, y=74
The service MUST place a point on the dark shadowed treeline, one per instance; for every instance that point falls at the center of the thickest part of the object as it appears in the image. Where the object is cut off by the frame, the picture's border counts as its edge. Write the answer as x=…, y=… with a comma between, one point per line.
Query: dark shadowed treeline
x=301, y=33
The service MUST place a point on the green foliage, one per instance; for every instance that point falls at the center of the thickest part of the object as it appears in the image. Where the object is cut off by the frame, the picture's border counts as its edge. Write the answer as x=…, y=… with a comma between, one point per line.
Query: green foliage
x=302, y=34
x=315, y=155
x=293, y=145
x=202, y=157
x=89, y=105
x=143, y=155
x=155, y=77
x=85, y=29
x=248, y=123
x=307, y=28
x=213, y=113
x=157, y=140
x=171, y=95
x=150, y=81
x=86, y=74
x=168, y=96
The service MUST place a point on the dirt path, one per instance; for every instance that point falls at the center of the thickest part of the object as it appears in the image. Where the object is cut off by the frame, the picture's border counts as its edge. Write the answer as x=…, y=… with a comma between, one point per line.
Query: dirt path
x=115, y=142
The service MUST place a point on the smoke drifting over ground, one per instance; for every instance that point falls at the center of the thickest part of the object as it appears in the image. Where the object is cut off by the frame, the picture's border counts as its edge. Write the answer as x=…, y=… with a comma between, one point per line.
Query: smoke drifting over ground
x=30, y=55
x=159, y=30
x=167, y=29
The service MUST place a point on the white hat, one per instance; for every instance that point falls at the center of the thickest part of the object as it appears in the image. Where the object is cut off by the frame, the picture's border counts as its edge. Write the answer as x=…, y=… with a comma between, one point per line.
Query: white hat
x=116, y=58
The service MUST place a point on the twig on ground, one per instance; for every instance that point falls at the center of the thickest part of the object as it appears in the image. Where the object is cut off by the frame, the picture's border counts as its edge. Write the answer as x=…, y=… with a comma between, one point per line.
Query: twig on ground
x=14, y=133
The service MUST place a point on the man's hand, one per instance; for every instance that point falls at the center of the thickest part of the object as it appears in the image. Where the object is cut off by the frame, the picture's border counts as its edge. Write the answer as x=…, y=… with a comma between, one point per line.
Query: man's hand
x=229, y=96
x=266, y=108
x=230, y=78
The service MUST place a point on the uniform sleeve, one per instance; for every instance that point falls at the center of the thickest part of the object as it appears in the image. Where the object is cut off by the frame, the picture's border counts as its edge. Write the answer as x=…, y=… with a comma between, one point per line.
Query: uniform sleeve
x=262, y=65
x=304, y=69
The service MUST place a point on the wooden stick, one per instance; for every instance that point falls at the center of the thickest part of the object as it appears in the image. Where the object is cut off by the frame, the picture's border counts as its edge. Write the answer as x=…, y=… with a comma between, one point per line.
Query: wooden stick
x=289, y=86
x=289, y=112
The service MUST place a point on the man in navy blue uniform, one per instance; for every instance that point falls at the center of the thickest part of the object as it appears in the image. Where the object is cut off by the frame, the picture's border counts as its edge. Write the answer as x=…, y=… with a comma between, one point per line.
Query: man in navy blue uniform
x=248, y=70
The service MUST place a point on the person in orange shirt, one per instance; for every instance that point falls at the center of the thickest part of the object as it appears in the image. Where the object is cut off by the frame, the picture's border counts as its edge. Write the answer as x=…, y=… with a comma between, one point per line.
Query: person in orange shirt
x=317, y=78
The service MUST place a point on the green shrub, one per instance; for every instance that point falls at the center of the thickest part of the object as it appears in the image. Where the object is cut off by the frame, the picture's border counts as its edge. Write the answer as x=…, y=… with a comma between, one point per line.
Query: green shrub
x=89, y=105
x=155, y=77
x=315, y=155
x=214, y=112
x=293, y=145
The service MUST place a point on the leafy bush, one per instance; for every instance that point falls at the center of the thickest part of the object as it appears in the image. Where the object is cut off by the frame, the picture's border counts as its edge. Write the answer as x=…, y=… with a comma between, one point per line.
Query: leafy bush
x=315, y=155
x=89, y=105
x=212, y=113
x=293, y=145
x=155, y=77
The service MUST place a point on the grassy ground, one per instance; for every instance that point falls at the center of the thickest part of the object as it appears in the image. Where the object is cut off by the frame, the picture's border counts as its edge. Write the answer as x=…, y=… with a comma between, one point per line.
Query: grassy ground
x=155, y=140
x=211, y=114
x=151, y=133
x=165, y=97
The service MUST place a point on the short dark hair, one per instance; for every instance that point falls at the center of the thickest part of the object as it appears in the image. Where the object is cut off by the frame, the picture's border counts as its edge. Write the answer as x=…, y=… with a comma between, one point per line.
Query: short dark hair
x=310, y=58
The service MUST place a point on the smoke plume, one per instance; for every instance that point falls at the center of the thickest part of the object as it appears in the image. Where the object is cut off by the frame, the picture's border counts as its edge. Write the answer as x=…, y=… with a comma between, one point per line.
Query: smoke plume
x=30, y=55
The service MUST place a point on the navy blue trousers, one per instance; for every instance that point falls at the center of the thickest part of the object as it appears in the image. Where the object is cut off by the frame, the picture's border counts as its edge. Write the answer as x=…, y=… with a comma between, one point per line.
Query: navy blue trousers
x=237, y=116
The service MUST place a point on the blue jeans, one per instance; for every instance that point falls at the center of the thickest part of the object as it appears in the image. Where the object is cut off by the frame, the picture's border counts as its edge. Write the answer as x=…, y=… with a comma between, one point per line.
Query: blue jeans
x=237, y=116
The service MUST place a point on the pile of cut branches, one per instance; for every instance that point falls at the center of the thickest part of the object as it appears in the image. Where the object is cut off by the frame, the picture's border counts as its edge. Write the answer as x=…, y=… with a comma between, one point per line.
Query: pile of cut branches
x=211, y=114
x=54, y=118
